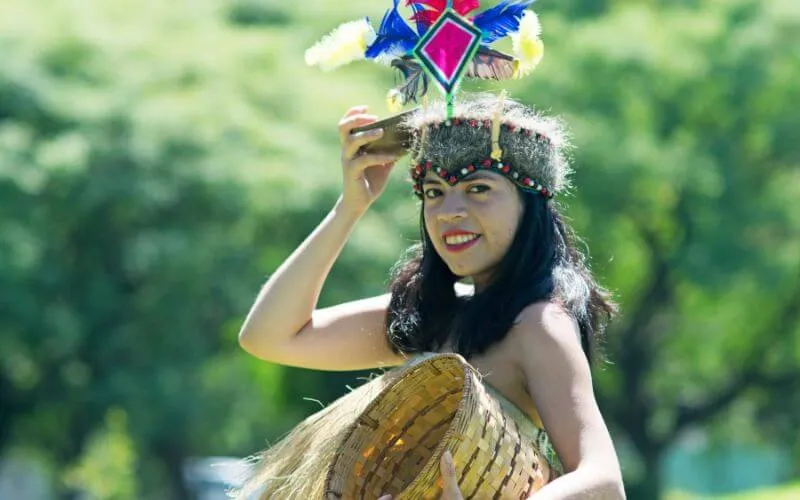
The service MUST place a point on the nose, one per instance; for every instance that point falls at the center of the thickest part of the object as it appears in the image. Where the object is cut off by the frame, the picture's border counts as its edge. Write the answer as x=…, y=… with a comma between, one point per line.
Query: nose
x=452, y=207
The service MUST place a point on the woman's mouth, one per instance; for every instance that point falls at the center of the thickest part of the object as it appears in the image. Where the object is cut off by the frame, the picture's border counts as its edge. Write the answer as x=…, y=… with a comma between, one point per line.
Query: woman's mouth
x=460, y=242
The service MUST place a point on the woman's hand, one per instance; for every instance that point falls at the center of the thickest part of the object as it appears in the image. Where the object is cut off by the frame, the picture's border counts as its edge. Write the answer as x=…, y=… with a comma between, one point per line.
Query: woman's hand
x=364, y=175
x=450, y=489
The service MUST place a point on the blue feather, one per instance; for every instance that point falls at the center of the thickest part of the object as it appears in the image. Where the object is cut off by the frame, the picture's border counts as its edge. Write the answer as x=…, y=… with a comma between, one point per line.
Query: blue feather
x=421, y=28
x=501, y=20
x=394, y=38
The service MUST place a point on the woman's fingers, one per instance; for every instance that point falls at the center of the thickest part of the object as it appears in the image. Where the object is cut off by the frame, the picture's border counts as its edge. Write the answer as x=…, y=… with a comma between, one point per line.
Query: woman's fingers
x=450, y=490
x=363, y=162
x=357, y=140
x=348, y=123
x=355, y=109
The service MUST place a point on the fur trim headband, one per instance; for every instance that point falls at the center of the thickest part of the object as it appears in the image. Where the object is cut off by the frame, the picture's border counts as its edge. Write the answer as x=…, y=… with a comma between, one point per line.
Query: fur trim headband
x=529, y=148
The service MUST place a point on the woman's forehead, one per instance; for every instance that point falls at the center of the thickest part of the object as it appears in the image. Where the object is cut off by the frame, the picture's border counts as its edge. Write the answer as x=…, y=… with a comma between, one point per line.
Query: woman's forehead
x=431, y=176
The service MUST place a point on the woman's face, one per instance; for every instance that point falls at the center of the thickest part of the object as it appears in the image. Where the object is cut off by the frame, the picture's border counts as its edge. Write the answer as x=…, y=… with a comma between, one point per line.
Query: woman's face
x=473, y=223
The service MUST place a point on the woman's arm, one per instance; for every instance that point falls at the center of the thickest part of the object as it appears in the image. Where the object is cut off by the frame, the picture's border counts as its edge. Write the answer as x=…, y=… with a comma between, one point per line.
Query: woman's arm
x=559, y=380
x=283, y=325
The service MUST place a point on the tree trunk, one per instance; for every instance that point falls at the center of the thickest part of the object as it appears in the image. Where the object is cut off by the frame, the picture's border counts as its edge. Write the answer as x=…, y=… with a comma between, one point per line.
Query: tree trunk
x=173, y=465
x=650, y=486
x=7, y=412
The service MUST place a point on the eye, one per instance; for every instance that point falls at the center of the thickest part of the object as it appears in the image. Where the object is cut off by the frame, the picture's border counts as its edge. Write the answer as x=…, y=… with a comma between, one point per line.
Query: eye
x=478, y=188
x=431, y=193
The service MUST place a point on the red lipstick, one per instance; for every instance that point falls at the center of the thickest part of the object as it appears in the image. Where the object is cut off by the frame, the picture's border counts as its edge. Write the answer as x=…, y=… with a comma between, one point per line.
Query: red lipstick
x=463, y=245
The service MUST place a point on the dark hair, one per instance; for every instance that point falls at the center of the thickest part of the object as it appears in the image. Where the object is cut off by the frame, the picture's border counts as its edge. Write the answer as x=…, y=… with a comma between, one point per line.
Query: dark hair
x=542, y=264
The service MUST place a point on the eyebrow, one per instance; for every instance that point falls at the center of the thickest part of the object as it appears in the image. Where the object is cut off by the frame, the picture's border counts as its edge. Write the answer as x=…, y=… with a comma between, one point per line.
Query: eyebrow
x=477, y=175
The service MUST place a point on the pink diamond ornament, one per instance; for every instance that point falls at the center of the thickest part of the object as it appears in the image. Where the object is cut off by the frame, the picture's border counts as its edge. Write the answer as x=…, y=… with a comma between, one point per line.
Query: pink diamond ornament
x=447, y=48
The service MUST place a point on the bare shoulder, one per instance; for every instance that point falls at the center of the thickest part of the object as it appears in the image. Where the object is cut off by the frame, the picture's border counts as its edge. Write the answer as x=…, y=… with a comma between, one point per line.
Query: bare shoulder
x=545, y=335
x=546, y=322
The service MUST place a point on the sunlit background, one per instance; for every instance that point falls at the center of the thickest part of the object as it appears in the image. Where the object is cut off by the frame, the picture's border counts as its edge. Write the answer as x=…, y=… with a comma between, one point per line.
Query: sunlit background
x=158, y=159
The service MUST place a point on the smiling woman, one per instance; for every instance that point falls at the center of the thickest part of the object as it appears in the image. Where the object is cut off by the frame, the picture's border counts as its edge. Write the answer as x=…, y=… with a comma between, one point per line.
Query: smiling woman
x=496, y=279
x=480, y=213
x=487, y=179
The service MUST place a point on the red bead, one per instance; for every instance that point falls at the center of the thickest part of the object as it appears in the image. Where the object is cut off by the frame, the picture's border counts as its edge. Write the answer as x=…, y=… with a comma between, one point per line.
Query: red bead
x=428, y=165
x=471, y=168
x=487, y=163
x=510, y=127
x=452, y=179
x=442, y=174
x=506, y=168
x=457, y=121
x=545, y=192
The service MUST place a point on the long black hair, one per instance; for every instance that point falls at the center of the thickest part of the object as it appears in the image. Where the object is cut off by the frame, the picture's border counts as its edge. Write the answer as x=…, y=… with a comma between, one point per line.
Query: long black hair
x=542, y=264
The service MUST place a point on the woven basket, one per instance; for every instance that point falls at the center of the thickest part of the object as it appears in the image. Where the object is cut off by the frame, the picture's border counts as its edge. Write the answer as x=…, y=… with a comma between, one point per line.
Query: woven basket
x=437, y=404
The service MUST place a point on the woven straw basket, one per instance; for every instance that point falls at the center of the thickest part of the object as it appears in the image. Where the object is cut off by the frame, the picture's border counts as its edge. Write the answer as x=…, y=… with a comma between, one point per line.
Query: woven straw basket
x=437, y=404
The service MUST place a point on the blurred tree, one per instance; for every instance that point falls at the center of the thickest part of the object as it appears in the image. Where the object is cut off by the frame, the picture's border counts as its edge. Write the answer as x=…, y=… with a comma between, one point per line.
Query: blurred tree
x=107, y=470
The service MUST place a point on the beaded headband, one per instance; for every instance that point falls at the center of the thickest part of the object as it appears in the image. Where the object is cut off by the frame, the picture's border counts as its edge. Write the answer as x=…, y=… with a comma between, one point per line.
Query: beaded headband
x=515, y=175
x=489, y=133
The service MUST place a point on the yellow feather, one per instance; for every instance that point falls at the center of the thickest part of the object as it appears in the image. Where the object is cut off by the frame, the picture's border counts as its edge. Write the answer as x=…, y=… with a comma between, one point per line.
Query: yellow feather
x=395, y=101
x=528, y=47
x=345, y=44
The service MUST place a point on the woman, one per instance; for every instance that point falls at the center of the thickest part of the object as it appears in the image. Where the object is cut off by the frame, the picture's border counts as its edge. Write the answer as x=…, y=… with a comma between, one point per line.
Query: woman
x=496, y=279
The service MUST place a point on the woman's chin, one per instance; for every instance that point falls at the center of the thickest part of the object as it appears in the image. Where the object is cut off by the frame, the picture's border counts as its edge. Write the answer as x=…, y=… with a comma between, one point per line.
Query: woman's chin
x=463, y=272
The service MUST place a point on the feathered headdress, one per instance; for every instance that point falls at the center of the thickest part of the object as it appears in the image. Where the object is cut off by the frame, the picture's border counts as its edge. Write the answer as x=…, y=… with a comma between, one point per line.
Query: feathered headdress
x=443, y=44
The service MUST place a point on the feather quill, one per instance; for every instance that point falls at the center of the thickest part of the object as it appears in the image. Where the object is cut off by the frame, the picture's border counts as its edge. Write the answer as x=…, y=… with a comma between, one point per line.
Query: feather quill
x=414, y=79
x=501, y=20
x=490, y=64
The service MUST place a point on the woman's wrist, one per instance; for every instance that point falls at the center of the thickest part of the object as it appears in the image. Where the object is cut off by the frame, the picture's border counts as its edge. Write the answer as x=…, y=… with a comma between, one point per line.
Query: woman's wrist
x=352, y=214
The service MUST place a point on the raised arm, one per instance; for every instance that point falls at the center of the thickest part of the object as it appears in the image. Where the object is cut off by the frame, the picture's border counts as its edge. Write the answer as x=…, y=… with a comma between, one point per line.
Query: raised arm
x=283, y=325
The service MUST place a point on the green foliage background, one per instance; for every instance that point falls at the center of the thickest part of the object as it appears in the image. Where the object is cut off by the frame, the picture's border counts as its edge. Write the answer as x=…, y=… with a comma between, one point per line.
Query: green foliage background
x=159, y=159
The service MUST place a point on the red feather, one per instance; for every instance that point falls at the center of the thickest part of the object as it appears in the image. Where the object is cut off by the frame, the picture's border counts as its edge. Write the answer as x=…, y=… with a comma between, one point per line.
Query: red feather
x=426, y=17
x=464, y=7
x=436, y=7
